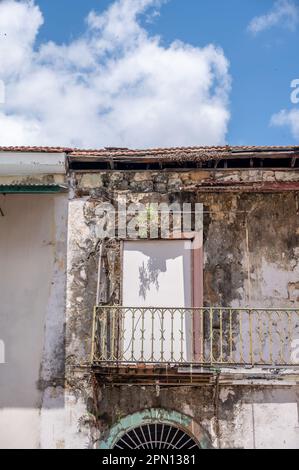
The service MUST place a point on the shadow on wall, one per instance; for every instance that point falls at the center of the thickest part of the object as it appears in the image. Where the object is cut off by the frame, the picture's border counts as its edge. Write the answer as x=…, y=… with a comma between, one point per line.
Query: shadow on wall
x=155, y=260
x=149, y=274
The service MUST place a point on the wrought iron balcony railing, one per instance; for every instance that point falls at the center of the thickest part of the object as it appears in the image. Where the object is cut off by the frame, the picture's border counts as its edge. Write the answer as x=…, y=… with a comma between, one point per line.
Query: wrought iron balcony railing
x=201, y=336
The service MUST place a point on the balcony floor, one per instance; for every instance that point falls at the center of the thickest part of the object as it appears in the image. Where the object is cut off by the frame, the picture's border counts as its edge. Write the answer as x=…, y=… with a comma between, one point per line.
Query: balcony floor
x=186, y=375
x=153, y=374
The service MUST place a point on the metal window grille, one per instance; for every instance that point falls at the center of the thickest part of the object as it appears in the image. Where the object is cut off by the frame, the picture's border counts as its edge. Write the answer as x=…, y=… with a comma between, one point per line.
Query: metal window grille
x=156, y=436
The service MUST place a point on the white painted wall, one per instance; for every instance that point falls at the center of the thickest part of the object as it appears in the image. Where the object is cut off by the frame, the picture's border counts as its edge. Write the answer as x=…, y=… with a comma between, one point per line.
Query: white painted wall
x=31, y=163
x=267, y=418
x=32, y=290
x=157, y=274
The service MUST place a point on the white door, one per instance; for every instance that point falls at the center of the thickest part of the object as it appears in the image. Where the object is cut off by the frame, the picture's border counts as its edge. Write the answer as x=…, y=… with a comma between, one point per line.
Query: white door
x=157, y=276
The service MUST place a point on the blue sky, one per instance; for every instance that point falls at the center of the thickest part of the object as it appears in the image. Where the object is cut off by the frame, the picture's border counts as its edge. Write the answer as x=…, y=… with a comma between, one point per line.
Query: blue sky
x=263, y=59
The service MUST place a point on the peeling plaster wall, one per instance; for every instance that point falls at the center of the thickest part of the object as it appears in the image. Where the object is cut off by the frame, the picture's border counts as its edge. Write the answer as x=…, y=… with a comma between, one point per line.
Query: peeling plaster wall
x=250, y=259
x=248, y=417
x=259, y=418
x=33, y=234
x=251, y=242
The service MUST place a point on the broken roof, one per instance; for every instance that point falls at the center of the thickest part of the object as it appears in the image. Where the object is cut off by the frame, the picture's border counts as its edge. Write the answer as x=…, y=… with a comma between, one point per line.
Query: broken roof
x=201, y=153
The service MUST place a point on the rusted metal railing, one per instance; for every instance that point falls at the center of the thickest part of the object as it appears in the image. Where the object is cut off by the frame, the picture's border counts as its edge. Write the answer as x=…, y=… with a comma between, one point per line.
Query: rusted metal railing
x=200, y=336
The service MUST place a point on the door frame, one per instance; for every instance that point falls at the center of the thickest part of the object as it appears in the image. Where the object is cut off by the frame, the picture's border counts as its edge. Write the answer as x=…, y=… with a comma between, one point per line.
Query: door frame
x=197, y=281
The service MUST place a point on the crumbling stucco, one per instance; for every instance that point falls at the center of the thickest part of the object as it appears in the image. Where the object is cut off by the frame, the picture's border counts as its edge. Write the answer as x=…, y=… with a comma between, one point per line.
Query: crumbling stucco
x=250, y=259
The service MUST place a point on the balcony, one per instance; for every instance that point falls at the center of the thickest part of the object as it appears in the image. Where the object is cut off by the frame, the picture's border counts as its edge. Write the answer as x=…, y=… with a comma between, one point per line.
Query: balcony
x=157, y=341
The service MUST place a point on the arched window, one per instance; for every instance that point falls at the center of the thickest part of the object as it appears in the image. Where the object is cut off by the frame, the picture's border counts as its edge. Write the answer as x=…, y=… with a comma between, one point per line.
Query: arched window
x=156, y=436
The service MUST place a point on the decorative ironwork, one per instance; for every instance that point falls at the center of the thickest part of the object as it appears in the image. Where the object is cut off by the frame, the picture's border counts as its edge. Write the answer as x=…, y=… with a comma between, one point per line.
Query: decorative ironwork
x=221, y=337
x=156, y=436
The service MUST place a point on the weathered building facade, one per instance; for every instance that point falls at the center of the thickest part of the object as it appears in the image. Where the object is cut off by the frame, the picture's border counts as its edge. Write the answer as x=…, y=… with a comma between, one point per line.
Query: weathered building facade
x=187, y=335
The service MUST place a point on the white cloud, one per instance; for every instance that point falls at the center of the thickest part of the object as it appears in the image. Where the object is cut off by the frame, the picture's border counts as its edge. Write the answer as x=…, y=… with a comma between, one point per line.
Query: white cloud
x=19, y=24
x=113, y=86
x=289, y=119
x=284, y=13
